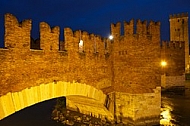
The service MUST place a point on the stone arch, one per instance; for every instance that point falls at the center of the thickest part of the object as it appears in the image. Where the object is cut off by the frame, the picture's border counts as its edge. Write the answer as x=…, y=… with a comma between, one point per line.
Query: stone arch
x=15, y=101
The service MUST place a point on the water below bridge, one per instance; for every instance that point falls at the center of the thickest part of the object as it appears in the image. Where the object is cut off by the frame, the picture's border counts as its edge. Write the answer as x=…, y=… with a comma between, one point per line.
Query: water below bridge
x=175, y=111
x=175, y=108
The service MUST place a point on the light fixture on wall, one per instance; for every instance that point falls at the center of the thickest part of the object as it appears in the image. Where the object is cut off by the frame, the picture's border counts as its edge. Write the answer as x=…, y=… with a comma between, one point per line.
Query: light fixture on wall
x=163, y=63
x=81, y=43
x=111, y=37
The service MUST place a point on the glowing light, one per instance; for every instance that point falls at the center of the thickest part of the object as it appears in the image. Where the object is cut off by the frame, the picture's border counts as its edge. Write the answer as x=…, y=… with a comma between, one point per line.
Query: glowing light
x=163, y=63
x=166, y=117
x=81, y=43
x=110, y=37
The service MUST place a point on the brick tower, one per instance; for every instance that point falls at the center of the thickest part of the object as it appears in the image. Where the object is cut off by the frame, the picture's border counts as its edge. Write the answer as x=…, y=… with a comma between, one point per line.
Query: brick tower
x=179, y=32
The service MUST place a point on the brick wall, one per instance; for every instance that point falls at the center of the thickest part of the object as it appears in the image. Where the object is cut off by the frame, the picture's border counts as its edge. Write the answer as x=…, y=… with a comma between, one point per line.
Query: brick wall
x=136, y=57
x=22, y=67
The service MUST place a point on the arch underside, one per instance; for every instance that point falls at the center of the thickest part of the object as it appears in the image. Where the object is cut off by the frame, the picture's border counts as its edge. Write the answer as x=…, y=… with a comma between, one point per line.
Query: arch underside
x=15, y=101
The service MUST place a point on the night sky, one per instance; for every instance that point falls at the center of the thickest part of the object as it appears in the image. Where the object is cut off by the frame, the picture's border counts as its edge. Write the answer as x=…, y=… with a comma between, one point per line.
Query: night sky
x=93, y=16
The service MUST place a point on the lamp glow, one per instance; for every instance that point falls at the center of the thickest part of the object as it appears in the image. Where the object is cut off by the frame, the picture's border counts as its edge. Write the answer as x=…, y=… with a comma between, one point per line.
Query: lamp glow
x=163, y=63
x=110, y=37
x=81, y=43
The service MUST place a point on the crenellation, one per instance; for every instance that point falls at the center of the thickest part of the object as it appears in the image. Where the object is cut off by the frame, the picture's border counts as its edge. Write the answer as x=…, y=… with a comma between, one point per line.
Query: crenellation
x=154, y=28
x=93, y=45
x=172, y=16
x=144, y=27
x=79, y=41
x=129, y=28
x=143, y=31
x=182, y=15
x=16, y=36
x=49, y=38
x=45, y=27
x=10, y=21
x=139, y=28
x=55, y=29
x=77, y=33
x=68, y=37
x=173, y=45
x=107, y=46
x=76, y=53
x=86, y=45
x=116, y=30
x=100, y=45
x=26, y=24
x=85, y=38
x=85, y=33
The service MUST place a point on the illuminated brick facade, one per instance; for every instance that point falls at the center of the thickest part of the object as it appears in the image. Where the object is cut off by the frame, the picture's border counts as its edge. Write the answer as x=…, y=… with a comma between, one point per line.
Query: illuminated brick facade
x=127, y=69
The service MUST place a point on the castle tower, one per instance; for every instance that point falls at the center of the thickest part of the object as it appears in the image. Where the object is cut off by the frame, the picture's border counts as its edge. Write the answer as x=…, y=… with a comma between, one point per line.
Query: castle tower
x=179, y=32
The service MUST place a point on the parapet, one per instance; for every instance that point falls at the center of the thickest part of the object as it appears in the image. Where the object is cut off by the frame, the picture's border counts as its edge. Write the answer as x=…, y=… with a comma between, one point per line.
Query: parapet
x=153, y=28
x=116, y=29
x=49, y=37
x=46, y=28
x=17, y=35
x=129, y=27
x=90, y=43
x=11, y=21
x=141, y=27
x=173, y=44
x=179, y=15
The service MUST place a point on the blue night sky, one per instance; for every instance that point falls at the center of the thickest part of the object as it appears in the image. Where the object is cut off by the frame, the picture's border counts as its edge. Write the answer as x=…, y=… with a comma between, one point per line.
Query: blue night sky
x=93, y=16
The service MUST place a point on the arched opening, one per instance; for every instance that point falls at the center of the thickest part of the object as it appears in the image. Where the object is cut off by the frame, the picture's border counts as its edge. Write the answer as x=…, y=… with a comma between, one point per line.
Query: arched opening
x=16, y=101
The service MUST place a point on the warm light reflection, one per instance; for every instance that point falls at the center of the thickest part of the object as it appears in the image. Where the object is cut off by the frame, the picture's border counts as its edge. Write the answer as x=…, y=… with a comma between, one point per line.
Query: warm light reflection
x=163, y=63
x=166, y=117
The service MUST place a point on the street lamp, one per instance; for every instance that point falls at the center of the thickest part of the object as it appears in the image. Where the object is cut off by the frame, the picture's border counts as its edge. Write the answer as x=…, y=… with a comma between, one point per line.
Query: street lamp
x=110, y=37
x=163, y=63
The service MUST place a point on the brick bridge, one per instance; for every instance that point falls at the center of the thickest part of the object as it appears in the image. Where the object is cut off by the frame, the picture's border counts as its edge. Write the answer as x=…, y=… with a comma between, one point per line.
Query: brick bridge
x=123, y=73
